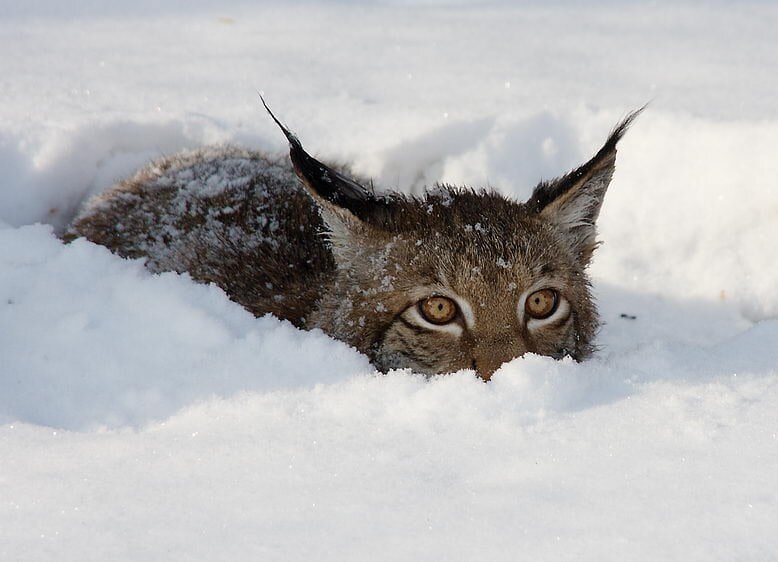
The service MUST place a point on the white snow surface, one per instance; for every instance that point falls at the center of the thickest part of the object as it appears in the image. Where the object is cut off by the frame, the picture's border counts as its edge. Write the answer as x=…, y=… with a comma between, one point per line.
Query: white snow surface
x=146, y=417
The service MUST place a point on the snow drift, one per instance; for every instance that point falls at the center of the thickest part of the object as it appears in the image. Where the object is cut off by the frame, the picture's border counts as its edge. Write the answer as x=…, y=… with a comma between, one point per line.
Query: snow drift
x=147, y=417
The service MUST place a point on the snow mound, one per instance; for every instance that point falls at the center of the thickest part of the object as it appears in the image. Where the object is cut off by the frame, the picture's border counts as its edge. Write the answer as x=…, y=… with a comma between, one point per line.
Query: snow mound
x=147, y=417
x=90, y=340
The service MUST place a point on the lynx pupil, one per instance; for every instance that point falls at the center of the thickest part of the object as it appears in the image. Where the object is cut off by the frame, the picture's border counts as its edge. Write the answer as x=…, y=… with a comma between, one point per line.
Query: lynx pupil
x=541, y=304
x=438, y=310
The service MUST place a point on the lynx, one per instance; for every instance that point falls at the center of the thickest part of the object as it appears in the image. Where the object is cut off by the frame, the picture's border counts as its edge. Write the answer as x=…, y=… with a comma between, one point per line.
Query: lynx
x=455, y=279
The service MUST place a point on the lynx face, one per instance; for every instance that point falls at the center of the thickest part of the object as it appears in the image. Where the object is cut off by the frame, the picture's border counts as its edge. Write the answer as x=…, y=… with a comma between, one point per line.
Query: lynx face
x=460, y=278
x=482, y=294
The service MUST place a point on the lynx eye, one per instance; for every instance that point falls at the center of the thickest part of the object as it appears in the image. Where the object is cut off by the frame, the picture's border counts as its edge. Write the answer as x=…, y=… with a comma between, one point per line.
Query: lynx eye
x=438, y=310
x=541, y=304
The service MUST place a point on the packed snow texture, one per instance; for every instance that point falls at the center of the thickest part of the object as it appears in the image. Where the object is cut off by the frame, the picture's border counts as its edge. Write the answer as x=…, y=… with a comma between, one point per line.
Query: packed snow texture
x=147, y=417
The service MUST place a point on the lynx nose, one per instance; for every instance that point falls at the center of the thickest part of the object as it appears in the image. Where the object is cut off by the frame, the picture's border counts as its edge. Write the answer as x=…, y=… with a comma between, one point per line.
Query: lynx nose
x=490, y=357
x=485, y=368
x=486, y=365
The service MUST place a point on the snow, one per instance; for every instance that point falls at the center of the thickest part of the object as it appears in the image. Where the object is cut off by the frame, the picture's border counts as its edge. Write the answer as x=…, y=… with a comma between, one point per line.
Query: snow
x=146, y=417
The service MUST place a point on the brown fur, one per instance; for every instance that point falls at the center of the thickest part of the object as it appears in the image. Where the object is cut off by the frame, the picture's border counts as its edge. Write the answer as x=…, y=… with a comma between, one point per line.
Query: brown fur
x=333, y=255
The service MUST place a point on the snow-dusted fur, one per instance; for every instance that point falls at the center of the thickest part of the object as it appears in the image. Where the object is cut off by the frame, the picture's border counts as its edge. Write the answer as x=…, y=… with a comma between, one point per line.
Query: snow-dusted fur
x=360, y=266
x=225, y=215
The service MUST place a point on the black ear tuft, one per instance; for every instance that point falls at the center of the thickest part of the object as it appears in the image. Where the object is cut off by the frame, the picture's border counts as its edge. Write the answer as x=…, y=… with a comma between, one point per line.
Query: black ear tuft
x=573, y=201
x=548, y=192
x=320, y=178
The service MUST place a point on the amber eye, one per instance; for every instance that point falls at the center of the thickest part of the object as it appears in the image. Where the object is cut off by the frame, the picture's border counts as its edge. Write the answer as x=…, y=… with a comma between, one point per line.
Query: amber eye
x=438, y=310
x=541, y=304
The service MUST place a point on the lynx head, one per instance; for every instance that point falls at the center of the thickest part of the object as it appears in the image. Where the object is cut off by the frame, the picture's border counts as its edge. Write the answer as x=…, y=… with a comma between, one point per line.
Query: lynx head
x=461, y=278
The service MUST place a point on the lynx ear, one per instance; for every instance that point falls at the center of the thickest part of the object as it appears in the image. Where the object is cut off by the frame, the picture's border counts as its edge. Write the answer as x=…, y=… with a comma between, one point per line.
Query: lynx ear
x=339, y=196
x=352, y=213
x=573, y=201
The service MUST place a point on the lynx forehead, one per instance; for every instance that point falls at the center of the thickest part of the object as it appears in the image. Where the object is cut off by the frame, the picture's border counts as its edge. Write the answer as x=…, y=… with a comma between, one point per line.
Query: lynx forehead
x=457, y=278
